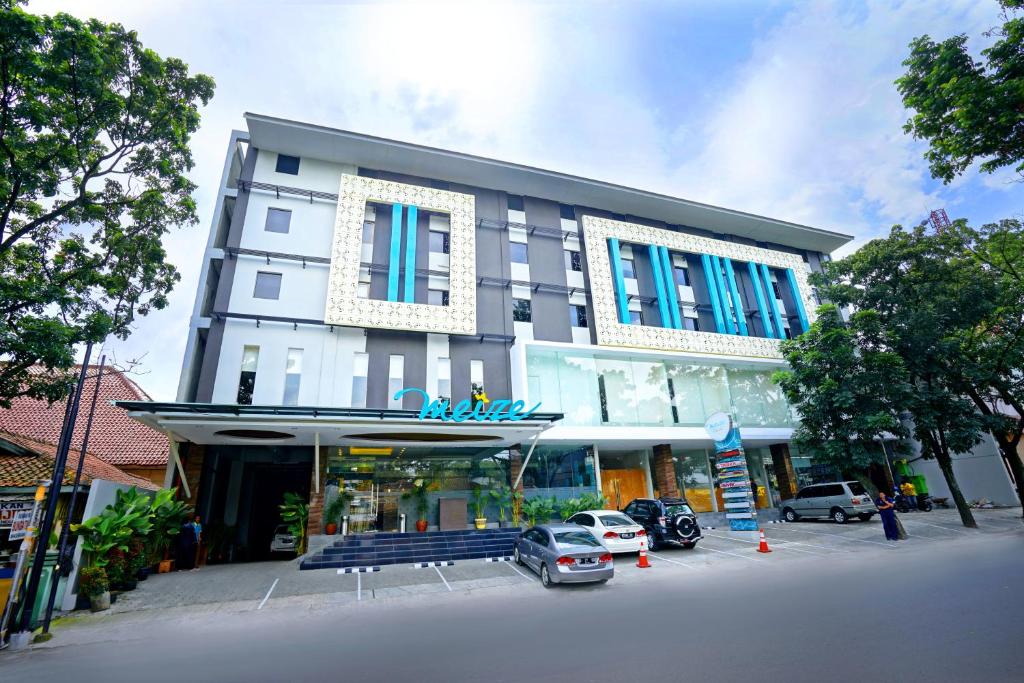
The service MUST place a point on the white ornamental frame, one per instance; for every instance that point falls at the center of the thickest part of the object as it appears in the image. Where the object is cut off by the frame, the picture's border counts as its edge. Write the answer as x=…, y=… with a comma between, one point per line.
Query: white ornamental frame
x=346, y=307
x=611, y=332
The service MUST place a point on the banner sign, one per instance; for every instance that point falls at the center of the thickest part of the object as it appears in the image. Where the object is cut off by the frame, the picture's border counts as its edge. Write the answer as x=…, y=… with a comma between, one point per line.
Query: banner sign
x=20, y=524
x=500, y=410
x=733, y=476
x=9, y=508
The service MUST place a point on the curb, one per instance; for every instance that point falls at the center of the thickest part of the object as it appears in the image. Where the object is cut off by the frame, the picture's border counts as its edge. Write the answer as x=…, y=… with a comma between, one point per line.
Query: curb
x=358, y=570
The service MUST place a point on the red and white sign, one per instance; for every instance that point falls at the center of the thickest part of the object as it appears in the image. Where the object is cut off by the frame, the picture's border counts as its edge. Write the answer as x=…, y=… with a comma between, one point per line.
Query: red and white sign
x=9, y=508
x=20, y=525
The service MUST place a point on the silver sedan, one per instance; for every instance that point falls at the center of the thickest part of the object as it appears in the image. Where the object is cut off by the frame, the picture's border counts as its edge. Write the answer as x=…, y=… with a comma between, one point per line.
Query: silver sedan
x=563, y=553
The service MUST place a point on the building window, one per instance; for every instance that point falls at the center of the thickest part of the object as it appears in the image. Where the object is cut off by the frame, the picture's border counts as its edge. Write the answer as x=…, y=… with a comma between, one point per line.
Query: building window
x=577, y=315
x=518, y=252
x=368, y=232
x=636, y=318
x=287, y=164
x=776, y=290
x=521, y=310
x=360, y=369
x=396, y=379
x=268, y=286
x=363, y=290
x=439, y=242
x=567, y=212
x=572, y=260
x=682, y=275
x=437, y=297
x=476, y=381
x=788, y=332
x=627, y=268
x=691, y=324
x=278, y=220
x=247, y=376
x=292, y=377
x=515, y=203
x=444, y=379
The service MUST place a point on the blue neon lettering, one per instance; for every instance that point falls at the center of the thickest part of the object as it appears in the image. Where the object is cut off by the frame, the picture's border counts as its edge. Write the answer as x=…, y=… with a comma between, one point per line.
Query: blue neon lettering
x=495, y=411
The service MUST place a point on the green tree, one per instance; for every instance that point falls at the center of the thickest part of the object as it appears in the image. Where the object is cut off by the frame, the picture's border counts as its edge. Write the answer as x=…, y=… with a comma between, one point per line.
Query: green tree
x=968, y=109
x=94, y=147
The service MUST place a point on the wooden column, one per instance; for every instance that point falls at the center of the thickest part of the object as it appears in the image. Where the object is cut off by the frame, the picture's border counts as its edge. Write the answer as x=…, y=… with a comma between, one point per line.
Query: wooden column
x=665, y=472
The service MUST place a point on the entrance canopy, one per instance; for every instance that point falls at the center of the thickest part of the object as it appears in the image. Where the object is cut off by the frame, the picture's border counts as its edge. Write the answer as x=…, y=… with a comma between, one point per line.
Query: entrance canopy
x=229, y=424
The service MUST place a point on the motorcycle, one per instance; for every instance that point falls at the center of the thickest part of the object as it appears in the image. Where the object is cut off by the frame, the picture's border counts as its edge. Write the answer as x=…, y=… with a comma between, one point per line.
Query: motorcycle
x=924, y=503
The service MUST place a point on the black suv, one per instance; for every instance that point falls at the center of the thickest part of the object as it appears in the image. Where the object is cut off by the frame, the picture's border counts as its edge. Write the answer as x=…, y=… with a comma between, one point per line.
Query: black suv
x=667, y=520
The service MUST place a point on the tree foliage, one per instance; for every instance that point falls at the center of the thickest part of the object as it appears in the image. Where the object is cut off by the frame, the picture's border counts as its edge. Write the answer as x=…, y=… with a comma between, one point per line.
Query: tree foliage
x=968, y=109
x=94, y=147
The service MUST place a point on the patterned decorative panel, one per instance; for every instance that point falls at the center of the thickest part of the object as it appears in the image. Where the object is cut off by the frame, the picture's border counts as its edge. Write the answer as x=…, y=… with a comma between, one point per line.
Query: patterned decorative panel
x=345, y=307
x=610, y=332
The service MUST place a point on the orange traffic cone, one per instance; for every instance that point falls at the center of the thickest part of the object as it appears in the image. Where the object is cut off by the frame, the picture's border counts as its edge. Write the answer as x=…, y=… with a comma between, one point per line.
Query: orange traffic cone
x=763, y=547
x=643, y=563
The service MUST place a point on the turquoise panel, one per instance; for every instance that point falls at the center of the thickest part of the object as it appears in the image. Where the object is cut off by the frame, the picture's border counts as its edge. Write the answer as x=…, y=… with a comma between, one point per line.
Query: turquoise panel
x=716, y=306
x=762, y=305
x=741, y=319
x=670, y=285
x=659, y=285
x=395, y=251
x=410, y=255
x=730, y=324
x=621, y=300
x=780, y=330
x=801, y=313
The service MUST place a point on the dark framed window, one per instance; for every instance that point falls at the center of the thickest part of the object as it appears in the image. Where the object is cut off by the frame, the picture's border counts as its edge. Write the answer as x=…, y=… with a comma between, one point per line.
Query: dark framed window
x=278, y=220
x=518, y=252
x=776, y=290
x=628, y=270
x=521, y=311
x=247, y=375
x=577, y=315
x=691, y=324
x=567, y=212
x=682, y=275
x=515, y=203
x=572, y=260
x=437, y=297
x=636, y=318
x=439, y=242
x=268, y=286
x=287, y=164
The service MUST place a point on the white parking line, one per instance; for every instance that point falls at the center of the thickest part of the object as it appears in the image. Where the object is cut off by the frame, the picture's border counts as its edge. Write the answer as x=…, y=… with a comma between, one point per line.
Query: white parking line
x=438, y=570
x=359, y=586
x=265, y=597
x=681, y=564
x=511, y=566
x=723, y=552
x=947, y=528
x=789, y=527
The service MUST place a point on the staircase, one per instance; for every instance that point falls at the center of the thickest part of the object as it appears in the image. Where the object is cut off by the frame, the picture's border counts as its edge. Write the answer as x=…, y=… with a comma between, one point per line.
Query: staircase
x=366, y=550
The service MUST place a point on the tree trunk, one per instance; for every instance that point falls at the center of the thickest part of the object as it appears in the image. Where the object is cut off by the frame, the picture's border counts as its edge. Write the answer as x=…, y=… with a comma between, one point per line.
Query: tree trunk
x=946, y=465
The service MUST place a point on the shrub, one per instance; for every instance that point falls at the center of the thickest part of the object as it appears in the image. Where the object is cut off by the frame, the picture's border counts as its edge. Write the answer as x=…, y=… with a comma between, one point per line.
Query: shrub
x=92, y=581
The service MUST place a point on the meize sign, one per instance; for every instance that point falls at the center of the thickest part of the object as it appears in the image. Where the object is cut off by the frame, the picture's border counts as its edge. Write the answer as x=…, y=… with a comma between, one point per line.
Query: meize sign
x=492, y=411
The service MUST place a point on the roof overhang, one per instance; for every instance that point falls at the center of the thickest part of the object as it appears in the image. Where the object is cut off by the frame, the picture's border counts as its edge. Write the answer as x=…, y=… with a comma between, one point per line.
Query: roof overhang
x=229, y=424
x=340, y=146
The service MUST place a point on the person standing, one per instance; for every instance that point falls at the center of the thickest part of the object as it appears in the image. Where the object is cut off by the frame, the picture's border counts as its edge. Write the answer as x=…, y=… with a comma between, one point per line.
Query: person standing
x=887, y=511
x=197, y=531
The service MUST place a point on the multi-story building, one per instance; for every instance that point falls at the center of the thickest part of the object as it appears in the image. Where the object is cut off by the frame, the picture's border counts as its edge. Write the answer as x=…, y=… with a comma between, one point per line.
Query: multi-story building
x=342, y=268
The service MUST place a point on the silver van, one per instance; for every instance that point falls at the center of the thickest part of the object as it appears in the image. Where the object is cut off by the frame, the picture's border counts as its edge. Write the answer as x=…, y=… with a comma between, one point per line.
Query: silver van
x=837, y=501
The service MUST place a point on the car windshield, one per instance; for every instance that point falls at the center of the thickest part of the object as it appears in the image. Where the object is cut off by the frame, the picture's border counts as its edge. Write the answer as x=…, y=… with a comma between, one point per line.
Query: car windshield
x=856, y=488
x=282, y=531
x=575, y=538
x=616, y=520
x=679, y=509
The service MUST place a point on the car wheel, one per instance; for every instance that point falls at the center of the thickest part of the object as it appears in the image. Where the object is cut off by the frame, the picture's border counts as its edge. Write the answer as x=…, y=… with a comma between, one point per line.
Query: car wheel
x=652, y=542
x=691, y=545
x=865, y=517
x=926, y=506
x=517, y=557
x=603, y=581
x=789, y=515
x=839, y=516
x=545, y=578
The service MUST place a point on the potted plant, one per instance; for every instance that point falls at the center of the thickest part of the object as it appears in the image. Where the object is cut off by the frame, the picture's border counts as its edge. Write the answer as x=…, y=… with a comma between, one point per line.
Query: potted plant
x=502, y=496
x=418, y=493
x=335, y=509
x=479, y=503
x=167, y=516
x=92, y=582
x=295, y=513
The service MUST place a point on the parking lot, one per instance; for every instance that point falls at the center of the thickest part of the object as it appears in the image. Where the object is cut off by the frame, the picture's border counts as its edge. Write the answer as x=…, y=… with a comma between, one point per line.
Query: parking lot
x=266, y=585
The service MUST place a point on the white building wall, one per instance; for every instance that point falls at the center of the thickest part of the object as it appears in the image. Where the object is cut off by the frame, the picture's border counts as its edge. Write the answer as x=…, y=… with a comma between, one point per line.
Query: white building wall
x=980, y=474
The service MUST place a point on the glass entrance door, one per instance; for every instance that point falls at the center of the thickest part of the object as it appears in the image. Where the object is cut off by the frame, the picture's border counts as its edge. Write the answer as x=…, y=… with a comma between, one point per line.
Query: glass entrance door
x=373, y=503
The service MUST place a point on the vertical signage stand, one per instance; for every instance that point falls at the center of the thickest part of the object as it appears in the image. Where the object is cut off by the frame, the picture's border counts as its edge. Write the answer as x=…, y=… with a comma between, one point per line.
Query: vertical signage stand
x=733, y=476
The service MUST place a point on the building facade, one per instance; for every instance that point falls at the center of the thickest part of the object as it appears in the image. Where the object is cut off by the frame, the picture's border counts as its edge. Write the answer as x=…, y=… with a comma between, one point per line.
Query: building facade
x=343, y=268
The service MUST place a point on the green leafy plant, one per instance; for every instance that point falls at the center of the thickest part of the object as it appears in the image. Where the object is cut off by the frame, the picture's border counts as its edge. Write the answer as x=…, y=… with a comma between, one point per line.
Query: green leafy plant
x=480, y=496
x=569, y=507
x=593, y=501
x=418, y=493
x=516, y=504
x=167, y=516
x=295, y=513
x=502, y=497
x=337, y=507
x=538, y=510
x=92, y=581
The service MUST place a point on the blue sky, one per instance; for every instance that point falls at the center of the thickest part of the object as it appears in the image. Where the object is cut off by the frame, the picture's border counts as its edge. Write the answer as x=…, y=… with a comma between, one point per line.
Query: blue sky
x=785, y=109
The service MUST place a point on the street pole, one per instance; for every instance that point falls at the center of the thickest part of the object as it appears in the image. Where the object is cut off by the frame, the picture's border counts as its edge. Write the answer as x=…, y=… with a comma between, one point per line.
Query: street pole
x=60, y=462
x=64, y=558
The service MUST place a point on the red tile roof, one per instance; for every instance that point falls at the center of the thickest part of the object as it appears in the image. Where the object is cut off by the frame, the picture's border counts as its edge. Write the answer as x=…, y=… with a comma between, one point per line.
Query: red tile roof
x=115, y=437
x=26, y=470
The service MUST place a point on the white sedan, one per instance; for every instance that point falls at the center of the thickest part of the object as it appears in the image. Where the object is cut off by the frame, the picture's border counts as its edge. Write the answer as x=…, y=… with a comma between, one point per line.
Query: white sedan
x=617, y=532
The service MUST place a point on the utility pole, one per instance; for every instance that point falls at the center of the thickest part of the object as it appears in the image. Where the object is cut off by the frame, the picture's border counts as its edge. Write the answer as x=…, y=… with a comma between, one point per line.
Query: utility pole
x=64, y=557
x=60, y=462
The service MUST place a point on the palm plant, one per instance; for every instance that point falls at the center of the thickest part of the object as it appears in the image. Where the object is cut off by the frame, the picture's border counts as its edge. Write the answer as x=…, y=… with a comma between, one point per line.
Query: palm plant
x=516, y=502
x=479, y=501
x=295, y=513
x=337, y=507
x=167, y=516
x=502, y=496
x=538, y=509
x=418, y=492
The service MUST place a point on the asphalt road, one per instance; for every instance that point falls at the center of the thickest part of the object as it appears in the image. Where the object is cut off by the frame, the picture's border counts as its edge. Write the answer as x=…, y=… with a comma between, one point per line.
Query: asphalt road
x=938, y=612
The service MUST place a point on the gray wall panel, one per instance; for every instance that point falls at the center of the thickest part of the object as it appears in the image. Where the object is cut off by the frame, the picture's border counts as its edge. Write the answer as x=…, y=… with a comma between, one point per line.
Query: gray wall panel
x=381, y=345
x=547, y=265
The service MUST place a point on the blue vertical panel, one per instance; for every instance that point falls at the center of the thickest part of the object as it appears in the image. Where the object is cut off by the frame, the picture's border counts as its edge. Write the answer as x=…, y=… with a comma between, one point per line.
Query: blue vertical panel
x=716, y=306
x=396, y=250
x=670, y=285
x=410, y=254
x=737, y=302
x=780, y=331
x=762, y=305
x=615, y=256
x=798, y=299
x=730, y=325
x=659, y=285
